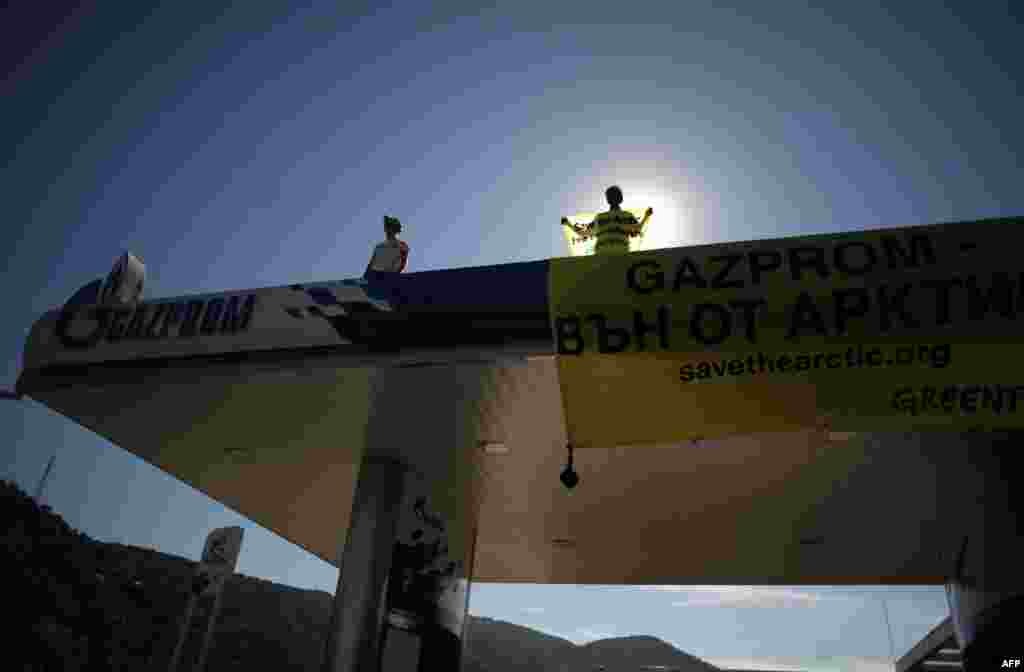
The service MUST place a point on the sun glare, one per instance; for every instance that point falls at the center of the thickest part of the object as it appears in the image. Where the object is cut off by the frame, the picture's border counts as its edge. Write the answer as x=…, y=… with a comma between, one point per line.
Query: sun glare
x=667, y=227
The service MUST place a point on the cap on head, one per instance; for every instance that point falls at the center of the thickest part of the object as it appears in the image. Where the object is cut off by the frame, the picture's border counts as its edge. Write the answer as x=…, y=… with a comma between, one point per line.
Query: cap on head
x=392, y=224
x=614, y=195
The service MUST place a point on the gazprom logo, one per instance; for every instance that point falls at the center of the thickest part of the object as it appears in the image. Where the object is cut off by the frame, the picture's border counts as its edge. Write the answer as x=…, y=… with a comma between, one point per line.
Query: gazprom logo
x=82, y=327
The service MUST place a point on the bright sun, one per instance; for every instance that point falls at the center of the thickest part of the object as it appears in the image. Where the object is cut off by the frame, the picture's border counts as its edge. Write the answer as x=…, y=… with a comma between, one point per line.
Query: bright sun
x=667, y=226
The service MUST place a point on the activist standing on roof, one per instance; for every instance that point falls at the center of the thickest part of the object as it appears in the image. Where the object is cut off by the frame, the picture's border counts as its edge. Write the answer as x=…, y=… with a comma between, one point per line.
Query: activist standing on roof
x=392, y=255
x=614, y=228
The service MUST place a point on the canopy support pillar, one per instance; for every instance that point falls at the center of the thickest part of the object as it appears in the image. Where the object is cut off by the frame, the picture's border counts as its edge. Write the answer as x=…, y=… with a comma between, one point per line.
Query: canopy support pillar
x=358, y=613
x=413, y=523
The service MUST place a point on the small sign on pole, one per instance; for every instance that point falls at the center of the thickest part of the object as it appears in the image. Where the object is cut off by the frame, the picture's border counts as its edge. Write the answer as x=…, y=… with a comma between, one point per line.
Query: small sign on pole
x=220, y=556
x=219, y=559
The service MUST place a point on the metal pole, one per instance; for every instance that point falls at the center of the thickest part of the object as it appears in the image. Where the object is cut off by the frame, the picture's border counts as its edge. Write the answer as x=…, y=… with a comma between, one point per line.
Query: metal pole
x=411, y=443
x=888, y=629
x=353, y=639
x=46, y=475
x=185, y=622
x=382, y=644
x=208, y=635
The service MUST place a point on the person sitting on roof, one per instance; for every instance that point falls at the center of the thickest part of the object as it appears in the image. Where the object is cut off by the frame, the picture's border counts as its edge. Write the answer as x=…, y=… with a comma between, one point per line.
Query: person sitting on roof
x=613, y=228
x=392, y=255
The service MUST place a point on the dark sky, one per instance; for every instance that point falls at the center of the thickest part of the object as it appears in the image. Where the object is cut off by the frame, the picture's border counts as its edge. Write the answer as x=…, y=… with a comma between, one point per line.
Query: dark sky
x=260, y=143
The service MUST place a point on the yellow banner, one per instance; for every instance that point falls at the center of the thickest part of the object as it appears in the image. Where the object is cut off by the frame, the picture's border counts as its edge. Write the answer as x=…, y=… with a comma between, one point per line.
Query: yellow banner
x=893, y=329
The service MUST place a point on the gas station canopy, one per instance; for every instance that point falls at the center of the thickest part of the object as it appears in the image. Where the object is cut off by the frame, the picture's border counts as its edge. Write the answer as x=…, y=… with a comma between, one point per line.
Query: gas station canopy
x=789, y=411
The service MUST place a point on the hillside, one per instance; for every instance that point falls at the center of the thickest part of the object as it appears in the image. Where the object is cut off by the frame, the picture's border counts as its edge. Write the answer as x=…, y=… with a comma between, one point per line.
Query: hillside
x=496, y=646
x=88, y=605
x=630, y=653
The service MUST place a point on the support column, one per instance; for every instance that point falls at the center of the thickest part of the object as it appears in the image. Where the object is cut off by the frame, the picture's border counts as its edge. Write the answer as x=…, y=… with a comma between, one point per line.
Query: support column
x=413, y=523
x=357, y=615
x=987, y=599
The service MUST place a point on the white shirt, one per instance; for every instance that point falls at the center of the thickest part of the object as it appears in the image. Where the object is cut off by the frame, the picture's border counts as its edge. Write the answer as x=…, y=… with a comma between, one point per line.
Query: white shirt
x=390, y=256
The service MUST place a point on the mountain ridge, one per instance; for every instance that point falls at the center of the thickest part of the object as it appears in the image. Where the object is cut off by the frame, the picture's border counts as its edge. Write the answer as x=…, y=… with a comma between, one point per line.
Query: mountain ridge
x=91, y=605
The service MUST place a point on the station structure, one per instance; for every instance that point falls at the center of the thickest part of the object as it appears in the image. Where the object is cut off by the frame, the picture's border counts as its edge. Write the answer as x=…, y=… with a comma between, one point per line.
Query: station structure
x=411, y=429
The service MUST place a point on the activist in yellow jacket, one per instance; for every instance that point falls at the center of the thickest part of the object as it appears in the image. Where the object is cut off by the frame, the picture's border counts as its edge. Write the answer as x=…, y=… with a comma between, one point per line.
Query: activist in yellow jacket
x=613, y=228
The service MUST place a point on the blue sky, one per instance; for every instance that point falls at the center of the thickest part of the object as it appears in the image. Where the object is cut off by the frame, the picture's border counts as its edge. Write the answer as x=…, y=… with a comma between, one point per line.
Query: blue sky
x=259, y=144
x=811, y=627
